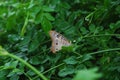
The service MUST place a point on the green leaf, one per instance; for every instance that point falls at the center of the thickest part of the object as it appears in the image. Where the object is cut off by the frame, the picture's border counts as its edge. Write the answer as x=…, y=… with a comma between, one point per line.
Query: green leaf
x=39, y=17
x=66, y=71
x=13, y=38
x=46, y=25
x=35, y=42
x=68, y=48
x=34, y=10
x=92, y=28
x=49, y=16
x=33, y=45
x=107, y=3
x=15, y=77
x=118, y=9
x=35, y=60
x=86, y=57
x=90, y=74
x=11, y=22
x=71, y=60
x=11, y=64
x=13, y=72
x=31, y=73
x=83, y=30
x=3, y=74
x=47, y=9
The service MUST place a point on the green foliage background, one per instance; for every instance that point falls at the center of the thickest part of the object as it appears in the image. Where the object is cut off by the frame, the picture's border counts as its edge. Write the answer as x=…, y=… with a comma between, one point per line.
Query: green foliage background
x=93, y=26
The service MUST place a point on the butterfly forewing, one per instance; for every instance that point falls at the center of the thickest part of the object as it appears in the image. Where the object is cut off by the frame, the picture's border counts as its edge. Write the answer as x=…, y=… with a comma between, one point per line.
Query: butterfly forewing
x=58, y=41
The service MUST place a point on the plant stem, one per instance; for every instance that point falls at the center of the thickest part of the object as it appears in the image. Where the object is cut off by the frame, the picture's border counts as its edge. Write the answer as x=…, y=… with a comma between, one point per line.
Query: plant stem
x=24, y=26
x=49, y=70
x=102, y=35
x=102, y=51
x=53, y=68
x=5, y=53
x=28, y=65
x=107, y=50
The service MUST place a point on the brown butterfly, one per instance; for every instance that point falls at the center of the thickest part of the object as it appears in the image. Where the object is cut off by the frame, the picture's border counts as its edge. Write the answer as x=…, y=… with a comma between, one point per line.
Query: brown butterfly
x=58, y=41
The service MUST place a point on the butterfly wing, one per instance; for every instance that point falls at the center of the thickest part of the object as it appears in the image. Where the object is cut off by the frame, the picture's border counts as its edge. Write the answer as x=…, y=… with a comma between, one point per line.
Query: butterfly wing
x=58, y=41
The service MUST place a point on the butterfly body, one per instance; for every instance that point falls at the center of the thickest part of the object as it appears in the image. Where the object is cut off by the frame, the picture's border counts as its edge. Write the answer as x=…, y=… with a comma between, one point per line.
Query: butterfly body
x=58, y=41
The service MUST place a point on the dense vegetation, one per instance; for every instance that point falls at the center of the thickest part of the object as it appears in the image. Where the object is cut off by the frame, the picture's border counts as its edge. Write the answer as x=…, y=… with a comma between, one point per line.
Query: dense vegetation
x=93, y=27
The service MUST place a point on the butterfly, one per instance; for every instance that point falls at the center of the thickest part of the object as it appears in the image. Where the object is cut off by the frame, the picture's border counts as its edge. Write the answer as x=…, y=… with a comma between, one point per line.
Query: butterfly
x=58, y=41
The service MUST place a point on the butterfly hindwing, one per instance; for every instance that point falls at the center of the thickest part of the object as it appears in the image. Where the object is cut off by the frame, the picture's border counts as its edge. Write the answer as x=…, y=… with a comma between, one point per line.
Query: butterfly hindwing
x=58, y=41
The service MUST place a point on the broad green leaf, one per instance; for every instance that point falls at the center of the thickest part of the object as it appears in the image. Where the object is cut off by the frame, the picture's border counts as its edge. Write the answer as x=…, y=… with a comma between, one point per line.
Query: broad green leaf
x=90, y=74
x=107, y=3
x=83, y=30
x=15, y=77
x=35, y=60
x=86, y=57
x=13, y=72
x=38, y=38
x=49, y=16
x=39, y=18
x=13, y=38
x=34, y=10
x=66, y=71
x=3, y=74
x=71, y=60
x=118, y=9
x=46, y=25
x=34, y=45
x=11, y=22
x=30, y=72
x=92, y=28
x=47, y=9
x=11, y=65
x=68, y=48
